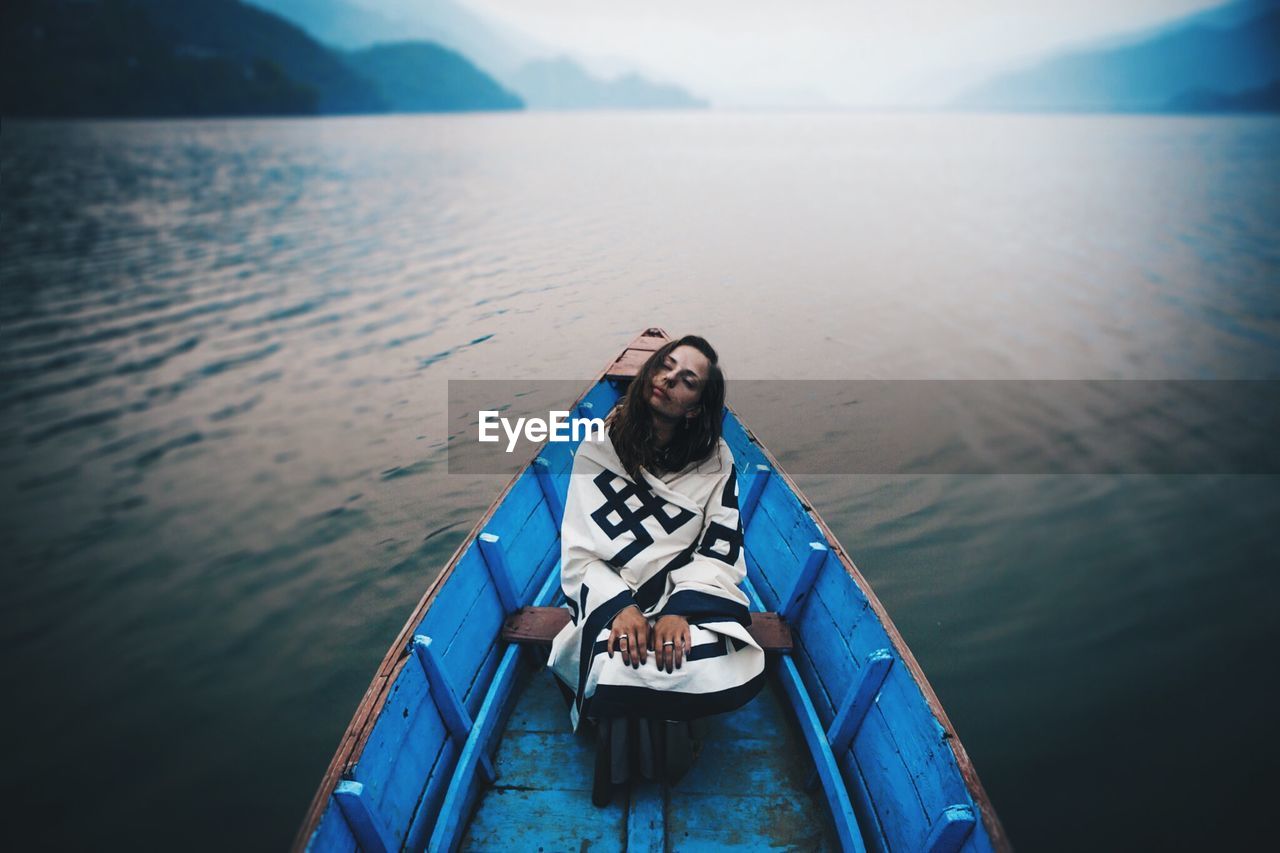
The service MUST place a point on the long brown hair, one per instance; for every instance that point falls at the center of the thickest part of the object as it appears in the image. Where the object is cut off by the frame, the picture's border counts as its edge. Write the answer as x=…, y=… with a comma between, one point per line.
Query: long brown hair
x=695, y=439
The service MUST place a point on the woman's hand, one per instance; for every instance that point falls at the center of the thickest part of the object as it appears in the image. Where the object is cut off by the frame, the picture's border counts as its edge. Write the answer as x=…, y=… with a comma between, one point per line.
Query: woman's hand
x=630, y=635
x=671, y=641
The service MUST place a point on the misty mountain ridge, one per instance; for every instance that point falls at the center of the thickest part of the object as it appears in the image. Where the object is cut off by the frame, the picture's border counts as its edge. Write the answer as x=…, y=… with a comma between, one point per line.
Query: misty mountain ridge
x=519, y=63
x=351, y=26
x=1203, y=59
x=562, y=84
x=425, y=77
x=215, y=57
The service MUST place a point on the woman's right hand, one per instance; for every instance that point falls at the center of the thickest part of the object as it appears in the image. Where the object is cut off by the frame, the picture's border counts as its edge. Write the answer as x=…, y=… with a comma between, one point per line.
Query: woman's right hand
x=630, y=635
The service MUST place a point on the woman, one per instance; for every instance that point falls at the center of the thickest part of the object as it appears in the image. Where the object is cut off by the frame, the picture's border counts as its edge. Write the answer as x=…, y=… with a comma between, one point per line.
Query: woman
x=651, y=559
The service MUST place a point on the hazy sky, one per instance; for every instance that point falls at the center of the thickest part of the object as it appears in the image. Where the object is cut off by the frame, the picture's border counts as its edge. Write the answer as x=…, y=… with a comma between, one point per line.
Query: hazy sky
x=847, y=52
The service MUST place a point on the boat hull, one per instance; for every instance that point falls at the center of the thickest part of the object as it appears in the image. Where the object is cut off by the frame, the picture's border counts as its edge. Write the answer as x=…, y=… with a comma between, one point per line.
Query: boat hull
x=418, y=755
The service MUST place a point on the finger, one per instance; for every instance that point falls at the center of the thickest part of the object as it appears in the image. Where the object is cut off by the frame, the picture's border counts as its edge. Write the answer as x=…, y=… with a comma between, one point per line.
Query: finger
x=613, y=636
x=682, y=646
x=643, y=642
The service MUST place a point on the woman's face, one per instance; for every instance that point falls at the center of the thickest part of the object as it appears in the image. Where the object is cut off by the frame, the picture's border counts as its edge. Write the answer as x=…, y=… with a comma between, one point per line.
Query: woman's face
x=676, y=384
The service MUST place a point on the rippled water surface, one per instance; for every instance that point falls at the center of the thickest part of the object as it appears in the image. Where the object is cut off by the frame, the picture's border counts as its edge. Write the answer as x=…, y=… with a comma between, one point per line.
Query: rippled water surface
x=224, y=348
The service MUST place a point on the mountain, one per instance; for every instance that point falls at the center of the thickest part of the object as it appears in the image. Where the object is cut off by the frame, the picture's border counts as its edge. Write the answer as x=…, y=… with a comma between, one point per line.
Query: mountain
x=214, y=57
x=236, y=31
x=64, y=58
x=349, y=25
x=561, y=84
x=425, y=77
x=337, y=23
x=1263, y=99
x=518, y=62
x=1228, y=50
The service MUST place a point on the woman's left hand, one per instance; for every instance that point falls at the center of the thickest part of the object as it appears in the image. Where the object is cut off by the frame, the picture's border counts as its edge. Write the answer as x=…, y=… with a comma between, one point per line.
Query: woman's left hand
x=670, y=641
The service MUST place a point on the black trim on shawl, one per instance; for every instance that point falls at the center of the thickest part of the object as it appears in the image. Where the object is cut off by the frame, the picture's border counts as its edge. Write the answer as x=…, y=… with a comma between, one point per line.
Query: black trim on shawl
x=729, y=497
x=650, y=592
x=692, y=604
x=595, y=623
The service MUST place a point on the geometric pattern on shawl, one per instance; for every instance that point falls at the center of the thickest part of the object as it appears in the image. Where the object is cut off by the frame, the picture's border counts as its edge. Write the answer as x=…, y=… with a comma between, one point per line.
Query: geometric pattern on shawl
x=630, y=520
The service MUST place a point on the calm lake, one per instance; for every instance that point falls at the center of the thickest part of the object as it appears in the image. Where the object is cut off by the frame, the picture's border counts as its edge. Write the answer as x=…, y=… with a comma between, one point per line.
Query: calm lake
x=224, y=348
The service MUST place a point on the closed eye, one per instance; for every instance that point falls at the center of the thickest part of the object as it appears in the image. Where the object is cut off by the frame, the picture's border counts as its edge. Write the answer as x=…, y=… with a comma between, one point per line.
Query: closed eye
x=688, y=375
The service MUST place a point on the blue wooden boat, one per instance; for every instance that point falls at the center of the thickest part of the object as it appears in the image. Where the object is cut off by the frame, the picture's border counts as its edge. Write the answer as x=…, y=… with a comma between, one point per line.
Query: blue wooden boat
x=462, y=741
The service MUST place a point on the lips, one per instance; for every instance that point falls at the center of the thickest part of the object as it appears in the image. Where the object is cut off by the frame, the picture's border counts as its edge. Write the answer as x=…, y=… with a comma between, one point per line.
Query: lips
x=659, y=393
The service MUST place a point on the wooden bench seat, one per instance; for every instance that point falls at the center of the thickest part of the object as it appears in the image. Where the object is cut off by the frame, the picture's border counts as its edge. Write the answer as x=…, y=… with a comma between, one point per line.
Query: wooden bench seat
x=539, y=625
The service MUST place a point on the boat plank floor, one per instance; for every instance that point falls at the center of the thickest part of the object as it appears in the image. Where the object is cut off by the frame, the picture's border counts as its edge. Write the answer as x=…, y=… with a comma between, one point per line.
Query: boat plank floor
x=745, y=791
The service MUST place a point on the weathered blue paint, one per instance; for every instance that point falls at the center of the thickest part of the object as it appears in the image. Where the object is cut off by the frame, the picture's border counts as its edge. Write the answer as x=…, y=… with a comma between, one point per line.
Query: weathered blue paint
x=745, y=791
x=828, y=771
x=646, y=819
x=857, y=702
x=542, y=799
x=803, y=584
x=408, y=735
x=456, y=718
x=951, y=830
x=795, y=526
x=846, y=822
x=863, y=806
x=559, y=458
x=370, y=832
x=438, y=779
x=824, y=662
x=767, y=558
x=458, y=800
x=751, y=499
x=524, y=500
x=549, y=589
x=496, y=561
x=550, y=491
x=467, y=653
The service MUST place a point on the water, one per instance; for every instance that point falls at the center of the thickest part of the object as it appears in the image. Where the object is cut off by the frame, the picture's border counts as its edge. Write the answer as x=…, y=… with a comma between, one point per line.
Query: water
x=225, y=345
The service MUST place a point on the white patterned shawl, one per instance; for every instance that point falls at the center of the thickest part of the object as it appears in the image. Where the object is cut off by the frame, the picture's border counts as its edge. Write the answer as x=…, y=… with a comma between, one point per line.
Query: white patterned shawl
x=667, y=547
